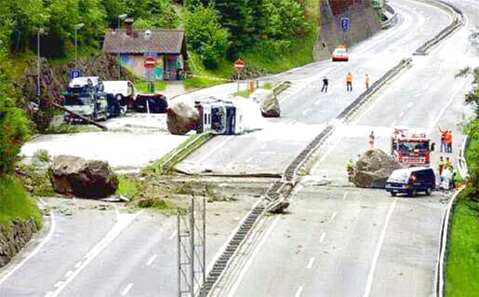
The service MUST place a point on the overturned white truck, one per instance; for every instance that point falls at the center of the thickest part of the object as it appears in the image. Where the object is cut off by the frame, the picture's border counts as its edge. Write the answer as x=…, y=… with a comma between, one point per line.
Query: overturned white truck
x=219, y=116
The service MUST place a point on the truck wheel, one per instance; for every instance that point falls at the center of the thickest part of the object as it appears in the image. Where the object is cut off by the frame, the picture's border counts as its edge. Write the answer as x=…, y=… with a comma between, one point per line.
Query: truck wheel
x=411, y=193
x=393, y=194
x=428, y=191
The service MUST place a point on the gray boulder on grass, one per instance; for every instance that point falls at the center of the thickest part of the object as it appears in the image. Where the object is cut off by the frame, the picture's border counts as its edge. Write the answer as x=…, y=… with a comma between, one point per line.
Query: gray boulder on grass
x=74, y=176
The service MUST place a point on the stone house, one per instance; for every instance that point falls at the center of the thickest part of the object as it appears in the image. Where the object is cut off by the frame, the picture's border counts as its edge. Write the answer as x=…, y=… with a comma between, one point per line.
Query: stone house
x=167, y=46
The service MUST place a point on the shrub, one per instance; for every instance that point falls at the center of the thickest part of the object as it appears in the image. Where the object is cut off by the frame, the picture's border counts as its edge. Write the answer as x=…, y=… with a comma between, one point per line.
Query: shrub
x=206, y=36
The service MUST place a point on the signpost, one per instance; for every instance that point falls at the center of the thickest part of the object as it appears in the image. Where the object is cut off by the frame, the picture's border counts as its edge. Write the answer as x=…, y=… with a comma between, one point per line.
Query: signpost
x=150, y=64
x=239, y=66
x=345, y=24
x=74, y=73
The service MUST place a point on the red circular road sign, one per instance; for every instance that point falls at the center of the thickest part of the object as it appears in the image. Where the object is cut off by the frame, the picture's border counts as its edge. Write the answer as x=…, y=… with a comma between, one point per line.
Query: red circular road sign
x=149, y=62
x=239, y=65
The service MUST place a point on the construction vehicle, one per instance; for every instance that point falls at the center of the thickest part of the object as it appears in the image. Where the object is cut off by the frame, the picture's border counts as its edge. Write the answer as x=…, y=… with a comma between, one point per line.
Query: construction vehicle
x=411, y=147
x=85, y=97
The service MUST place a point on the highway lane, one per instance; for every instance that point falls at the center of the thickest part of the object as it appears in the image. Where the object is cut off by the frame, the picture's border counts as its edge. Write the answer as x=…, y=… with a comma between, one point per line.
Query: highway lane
x=305, y=106
x=106, y=252
x=377, y=245
x=62, y=251
x=325, y=246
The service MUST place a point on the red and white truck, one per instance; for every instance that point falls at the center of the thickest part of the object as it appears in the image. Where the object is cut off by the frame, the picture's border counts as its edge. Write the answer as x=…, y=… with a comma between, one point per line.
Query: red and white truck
x=411, y=147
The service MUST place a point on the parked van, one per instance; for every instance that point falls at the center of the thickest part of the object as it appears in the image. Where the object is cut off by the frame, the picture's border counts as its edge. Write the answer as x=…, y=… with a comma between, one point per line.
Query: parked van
x=412, y=180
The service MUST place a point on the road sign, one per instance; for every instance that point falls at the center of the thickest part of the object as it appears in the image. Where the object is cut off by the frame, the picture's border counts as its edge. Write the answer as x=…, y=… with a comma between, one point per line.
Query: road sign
x=150, y=62
x=74, y=73
x=239, y=65
x=345, y=24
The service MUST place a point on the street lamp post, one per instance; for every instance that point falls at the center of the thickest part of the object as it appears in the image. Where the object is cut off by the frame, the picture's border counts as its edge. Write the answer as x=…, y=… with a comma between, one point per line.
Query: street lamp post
x=121, y=17
x=77, y=27
x=39, y=65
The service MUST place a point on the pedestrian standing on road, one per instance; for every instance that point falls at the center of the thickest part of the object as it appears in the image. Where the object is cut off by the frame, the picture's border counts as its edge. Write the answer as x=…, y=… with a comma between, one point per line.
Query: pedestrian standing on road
x=371, y=140
x=441, y=165
x=448, y=141
x=366, y=81
x=324, y=89
x=448, y=164
x=443, y=140
x=349, y=82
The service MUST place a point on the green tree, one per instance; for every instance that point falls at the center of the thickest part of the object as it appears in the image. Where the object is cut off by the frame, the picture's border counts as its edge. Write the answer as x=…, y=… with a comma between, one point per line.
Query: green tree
x=206, y=36
x=14, y=126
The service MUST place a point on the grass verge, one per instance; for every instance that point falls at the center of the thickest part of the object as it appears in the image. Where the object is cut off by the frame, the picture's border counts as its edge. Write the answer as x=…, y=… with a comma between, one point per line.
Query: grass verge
x=463, y=255
x=166, y=164
x=15, y=202
x=142, y=86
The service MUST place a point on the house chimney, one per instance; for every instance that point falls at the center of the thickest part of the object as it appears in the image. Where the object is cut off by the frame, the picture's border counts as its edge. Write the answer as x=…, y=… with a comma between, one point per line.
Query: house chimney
x=129, y=26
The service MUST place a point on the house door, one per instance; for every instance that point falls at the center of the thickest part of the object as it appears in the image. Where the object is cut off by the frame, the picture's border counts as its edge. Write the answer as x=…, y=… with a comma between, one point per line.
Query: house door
x=170, y=68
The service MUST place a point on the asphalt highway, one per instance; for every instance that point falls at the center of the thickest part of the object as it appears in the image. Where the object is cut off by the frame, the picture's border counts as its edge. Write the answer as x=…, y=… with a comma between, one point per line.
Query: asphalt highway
x=342, y=241
x=306, y=110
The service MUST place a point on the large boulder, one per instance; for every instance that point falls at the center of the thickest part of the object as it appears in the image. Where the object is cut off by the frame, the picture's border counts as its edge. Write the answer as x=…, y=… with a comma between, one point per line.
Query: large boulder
x=373, y=169
x=268, y=102
x=74, y=176
x=182, y=118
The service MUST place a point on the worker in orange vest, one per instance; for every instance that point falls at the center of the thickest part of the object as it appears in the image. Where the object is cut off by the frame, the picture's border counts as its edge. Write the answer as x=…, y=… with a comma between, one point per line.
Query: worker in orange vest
x=349, y=82
x=443, y=140
x=448, y=141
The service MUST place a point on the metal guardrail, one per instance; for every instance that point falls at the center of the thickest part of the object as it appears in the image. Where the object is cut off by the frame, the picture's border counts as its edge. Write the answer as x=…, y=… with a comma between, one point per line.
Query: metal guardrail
x=457, y=22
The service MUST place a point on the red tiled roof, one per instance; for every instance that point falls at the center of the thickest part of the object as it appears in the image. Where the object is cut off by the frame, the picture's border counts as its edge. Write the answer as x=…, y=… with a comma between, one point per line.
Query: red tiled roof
x=162, y=41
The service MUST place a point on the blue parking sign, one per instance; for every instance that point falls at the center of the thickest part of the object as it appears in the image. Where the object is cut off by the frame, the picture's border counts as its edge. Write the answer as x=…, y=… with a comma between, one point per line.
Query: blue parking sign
x=74, y=73
x=345, y=24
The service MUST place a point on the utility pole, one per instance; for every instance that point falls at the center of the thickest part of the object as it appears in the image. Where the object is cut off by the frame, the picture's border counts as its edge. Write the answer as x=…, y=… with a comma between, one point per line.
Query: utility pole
x=77, y=27
x=191, y=249
x=39, y=63
x=121, y=17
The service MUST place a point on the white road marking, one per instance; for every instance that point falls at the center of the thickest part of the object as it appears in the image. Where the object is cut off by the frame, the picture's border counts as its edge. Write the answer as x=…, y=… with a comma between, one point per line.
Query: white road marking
x=345, y=195
x=68, y=274
x=299, y=291
x=77, y=265
x=151, y=260
x=215, y=149
x=243, y=272
x=35, y=251
x=401, y=115
x=173, y=235
x=378, y=249
x=443, y=110
x=333, y=216
x=49, y=294
x=58, y=284
x=311, y=262
x=127, y=289
x=123, y=221
x=321, y=239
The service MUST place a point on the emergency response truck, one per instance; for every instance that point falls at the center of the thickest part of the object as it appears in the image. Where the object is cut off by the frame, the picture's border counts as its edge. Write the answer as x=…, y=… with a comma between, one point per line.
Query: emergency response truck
x=411, y=147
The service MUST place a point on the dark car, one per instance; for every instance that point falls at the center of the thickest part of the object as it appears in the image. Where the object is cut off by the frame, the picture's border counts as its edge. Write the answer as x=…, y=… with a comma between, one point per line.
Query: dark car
x=412, y=180
x=154, y=103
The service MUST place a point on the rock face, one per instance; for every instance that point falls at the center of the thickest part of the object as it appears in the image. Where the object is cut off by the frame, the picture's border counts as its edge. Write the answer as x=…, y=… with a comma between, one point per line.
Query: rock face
x=268, y=102
x=363, y=18
x=14, y=238
x=74, y=176
x=373, y=169
x=182, y=118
